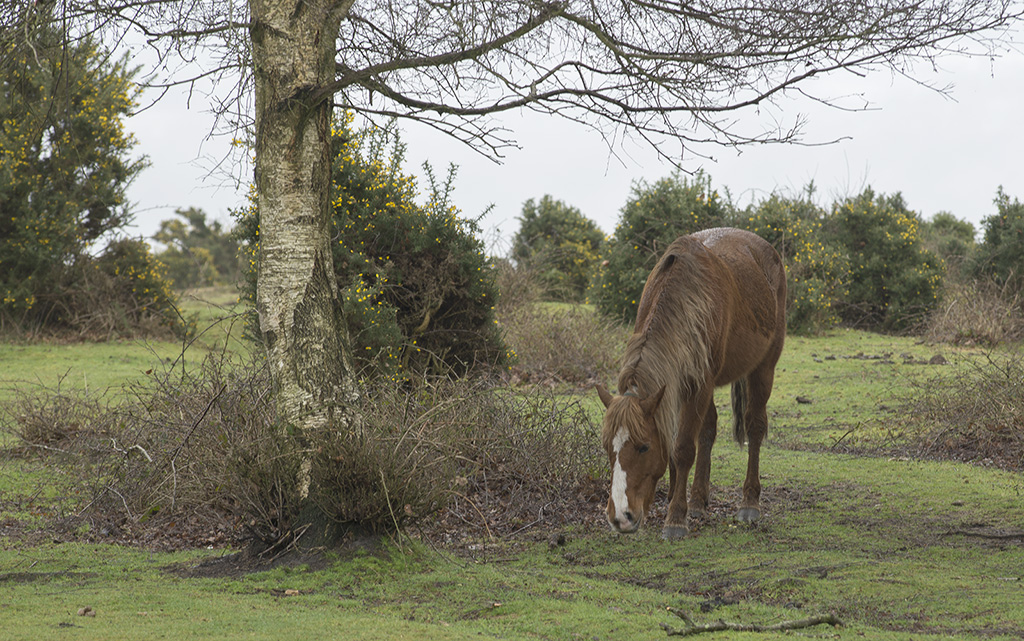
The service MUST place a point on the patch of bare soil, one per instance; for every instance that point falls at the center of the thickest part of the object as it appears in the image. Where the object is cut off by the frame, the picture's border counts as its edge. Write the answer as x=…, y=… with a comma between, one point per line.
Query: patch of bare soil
x=505, y=513
x=469, y=525
x=479, y=513
x=165, y=535
x=10, y=578
x=250, y=559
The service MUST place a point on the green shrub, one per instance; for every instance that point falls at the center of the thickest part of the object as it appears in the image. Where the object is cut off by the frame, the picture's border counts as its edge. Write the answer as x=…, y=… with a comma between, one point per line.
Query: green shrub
x=417, y=290
x=950, y=238
x=1001, y=254
x=654, y=217
x=559, y=244
x=139, y=292
x=121, y=293
x=815, y=272
x=894, y=282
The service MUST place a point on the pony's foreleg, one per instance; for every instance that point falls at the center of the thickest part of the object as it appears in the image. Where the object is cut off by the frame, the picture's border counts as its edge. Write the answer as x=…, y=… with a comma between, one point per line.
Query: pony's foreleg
x=672, y=478
x=759, y=388
x=701, y=490
x=683, y=456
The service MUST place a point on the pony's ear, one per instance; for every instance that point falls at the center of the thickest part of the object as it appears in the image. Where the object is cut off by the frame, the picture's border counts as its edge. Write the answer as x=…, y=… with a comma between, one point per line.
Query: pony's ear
x=606, y=398
x=651, y=403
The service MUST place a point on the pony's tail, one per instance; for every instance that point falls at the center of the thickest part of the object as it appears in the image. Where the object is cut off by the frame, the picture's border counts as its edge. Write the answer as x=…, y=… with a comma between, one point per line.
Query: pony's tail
x=739, y=409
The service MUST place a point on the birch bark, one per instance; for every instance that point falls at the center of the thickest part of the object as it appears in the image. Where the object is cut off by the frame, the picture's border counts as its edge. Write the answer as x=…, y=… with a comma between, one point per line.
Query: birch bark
x=293, y=49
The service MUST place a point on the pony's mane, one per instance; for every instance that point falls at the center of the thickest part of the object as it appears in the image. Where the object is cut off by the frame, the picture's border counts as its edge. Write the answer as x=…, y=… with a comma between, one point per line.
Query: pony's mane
x=670, y=344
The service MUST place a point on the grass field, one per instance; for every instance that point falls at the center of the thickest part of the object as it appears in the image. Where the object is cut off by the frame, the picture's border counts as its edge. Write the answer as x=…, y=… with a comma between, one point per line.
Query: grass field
x=896, y=547
x=107, y=366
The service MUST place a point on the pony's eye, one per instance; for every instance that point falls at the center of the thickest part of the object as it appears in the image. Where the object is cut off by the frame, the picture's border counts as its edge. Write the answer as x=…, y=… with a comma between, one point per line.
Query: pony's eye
x=641, y=449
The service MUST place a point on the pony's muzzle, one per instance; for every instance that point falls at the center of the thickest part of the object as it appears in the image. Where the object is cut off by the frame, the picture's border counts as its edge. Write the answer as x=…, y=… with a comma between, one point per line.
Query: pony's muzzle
x=626, y=523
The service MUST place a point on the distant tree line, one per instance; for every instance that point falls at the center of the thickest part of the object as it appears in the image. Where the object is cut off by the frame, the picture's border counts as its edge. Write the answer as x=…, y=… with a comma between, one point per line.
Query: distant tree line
x=198, y=252
x=867, y=260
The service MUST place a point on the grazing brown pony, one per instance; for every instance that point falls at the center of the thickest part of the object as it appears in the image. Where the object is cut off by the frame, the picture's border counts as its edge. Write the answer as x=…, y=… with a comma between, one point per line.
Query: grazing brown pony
x=713, y=312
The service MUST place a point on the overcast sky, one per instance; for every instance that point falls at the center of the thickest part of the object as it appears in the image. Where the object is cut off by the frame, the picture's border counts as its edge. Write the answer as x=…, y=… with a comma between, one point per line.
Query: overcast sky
x=943, y=153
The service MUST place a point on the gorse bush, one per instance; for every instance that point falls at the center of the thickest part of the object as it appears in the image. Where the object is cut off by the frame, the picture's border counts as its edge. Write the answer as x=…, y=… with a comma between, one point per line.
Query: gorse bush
x=654, y=217
x=64, y=167
x=134, y=294
x=123, y=292
x=417, y=290
x=894, y=282
x=424, y=262
x=816, y=272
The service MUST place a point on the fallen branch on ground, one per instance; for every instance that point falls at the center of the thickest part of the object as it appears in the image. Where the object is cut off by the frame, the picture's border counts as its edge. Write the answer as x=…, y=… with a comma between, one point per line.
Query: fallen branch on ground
x=997, y=536
x=720, y=626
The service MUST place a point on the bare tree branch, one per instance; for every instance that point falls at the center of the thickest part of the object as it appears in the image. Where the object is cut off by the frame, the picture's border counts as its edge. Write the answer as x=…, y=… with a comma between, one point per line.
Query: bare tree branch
x=657, y=69
x=662, y=70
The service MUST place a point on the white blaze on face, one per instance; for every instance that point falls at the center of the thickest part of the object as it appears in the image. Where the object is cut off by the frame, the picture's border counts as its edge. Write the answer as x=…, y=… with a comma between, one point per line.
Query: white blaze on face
x=619, y=499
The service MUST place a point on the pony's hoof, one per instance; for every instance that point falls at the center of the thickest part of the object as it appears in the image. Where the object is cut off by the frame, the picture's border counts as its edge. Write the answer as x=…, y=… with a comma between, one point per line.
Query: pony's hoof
x=748, y=514
x=698, y=513
x=674, y=532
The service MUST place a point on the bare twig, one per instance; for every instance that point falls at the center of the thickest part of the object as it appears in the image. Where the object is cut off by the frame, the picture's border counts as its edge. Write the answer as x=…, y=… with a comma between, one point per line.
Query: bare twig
x=474, y=506
x=721, y=626
x=848, y=433
x=196, y=423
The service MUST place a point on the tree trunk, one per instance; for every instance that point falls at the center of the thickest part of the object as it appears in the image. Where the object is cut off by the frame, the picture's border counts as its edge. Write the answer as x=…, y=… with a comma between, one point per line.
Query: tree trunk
x=293, y=48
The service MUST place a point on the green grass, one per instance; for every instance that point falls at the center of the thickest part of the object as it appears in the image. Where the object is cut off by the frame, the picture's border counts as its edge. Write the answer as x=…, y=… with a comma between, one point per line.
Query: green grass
x=896, y=547
x=217, y=311
x=98, y=367
x=836, y=551
x=83, y=366
x=853, y=385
